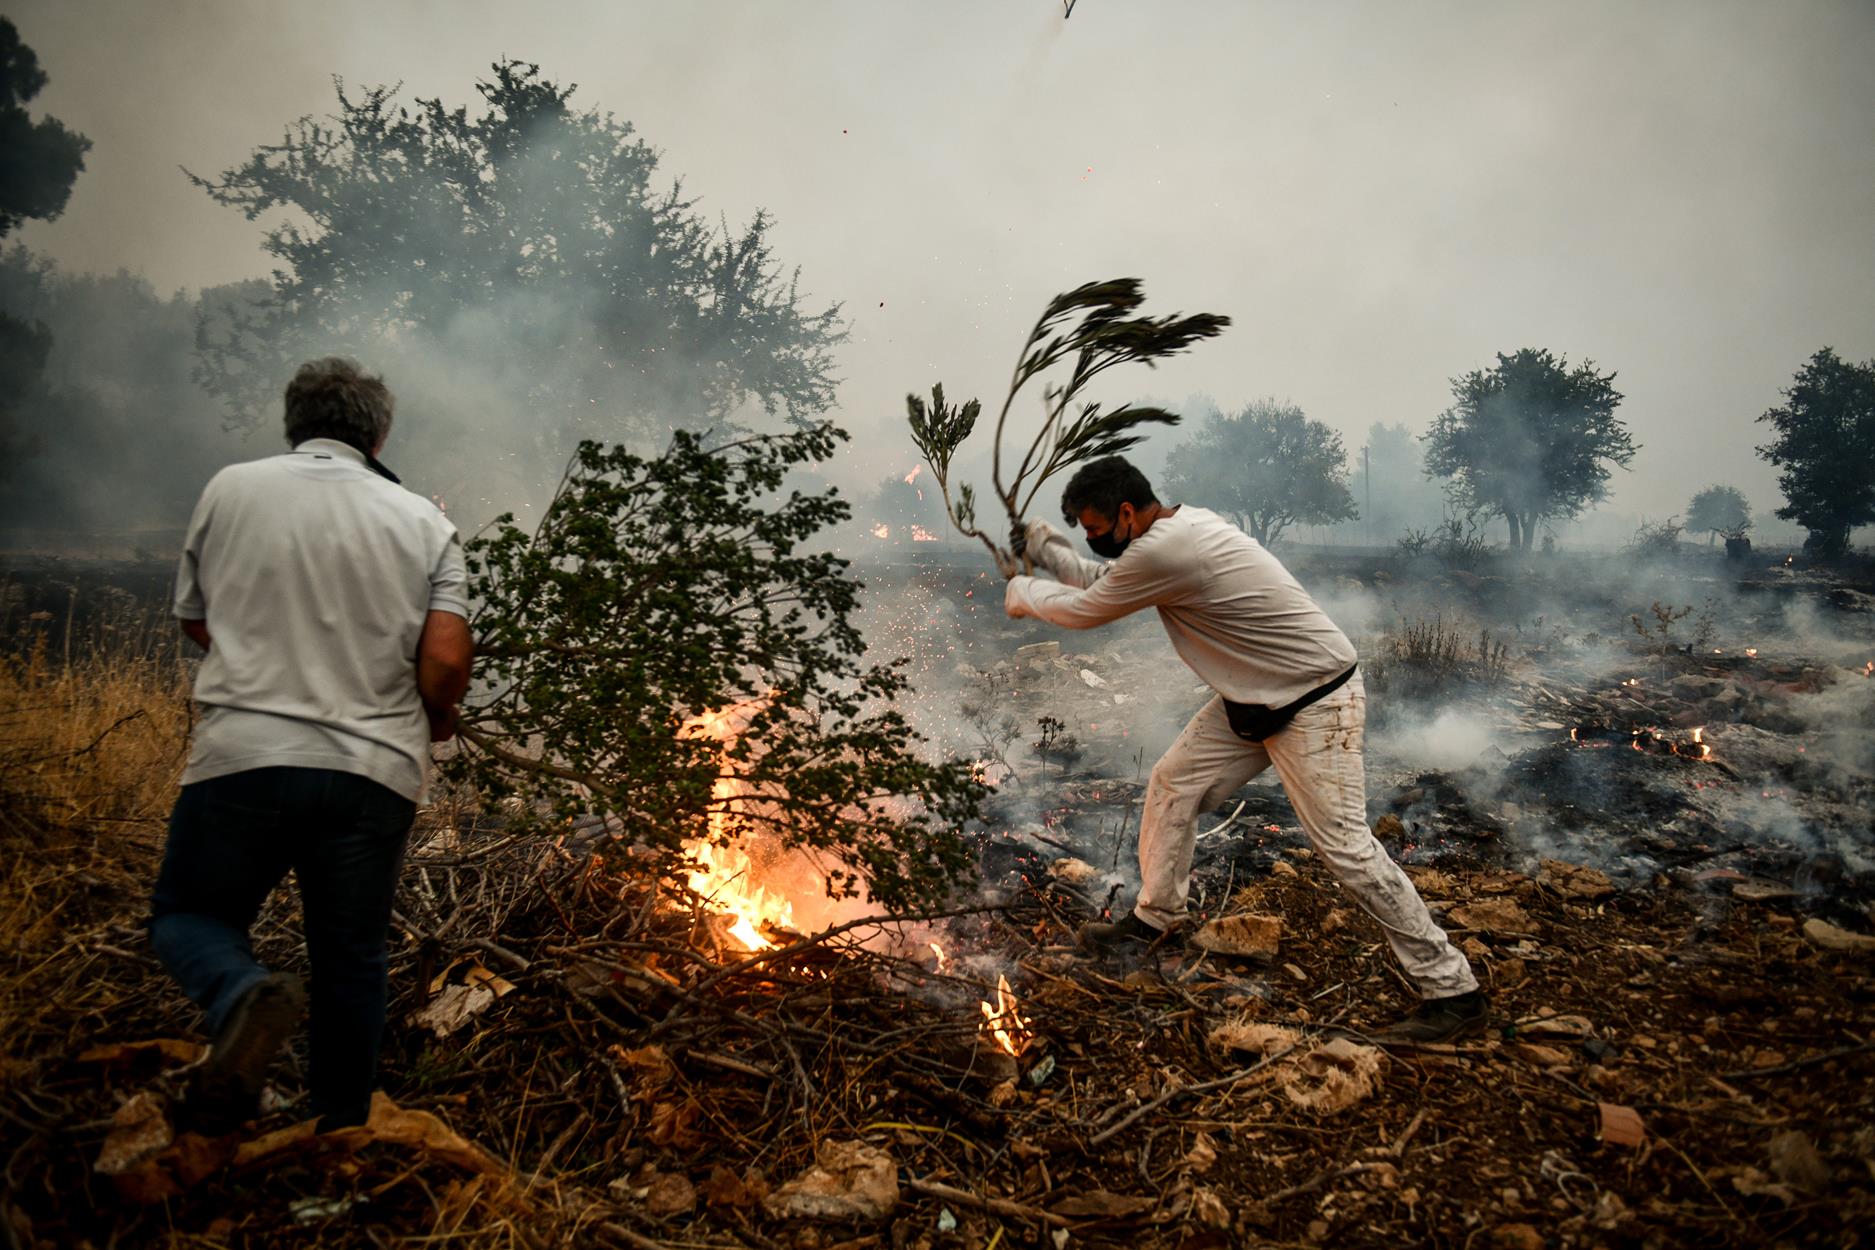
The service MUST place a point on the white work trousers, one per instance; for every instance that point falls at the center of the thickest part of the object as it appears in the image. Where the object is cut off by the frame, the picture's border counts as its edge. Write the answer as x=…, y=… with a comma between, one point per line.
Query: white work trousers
x=1318, y=758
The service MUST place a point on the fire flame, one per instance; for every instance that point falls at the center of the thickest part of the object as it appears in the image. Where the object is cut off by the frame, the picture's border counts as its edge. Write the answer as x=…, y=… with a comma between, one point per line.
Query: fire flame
x=943, y=960
x=724, y=873
x=919, y=534
x=882, y=530
x=1647, y=741
x=1751, y=653
x=913, y=475
x=1004, y=1023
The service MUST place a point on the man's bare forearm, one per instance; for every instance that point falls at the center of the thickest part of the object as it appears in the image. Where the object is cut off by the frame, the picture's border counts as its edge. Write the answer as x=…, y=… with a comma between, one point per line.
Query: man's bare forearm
x=445, y=655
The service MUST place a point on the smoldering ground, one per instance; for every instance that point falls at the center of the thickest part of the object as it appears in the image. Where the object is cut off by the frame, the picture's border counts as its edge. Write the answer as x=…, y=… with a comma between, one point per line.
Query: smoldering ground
x=1469, y=750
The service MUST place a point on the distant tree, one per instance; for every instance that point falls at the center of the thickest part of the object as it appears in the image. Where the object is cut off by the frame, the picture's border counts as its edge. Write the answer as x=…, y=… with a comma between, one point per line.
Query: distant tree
x=24, y=349
x=1529, y=439
x=39, y=160
x=515, y=267
x=1825, y=445
x=123, y=437
x=1719, y=509
x=1268, y=466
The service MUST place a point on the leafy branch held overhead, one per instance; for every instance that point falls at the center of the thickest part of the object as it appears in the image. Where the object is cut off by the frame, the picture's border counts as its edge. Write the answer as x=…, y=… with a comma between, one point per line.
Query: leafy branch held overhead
x=1108, y=334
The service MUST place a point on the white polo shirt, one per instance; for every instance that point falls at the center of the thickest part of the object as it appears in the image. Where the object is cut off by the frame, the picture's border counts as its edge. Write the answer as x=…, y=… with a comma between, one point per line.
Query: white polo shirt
x=1245, y=626
x=315, y=575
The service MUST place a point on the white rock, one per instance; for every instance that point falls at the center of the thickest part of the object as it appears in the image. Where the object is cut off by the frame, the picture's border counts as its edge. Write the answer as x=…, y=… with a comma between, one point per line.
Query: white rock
x=1831, y=938
x=1245, y=936
x=849, y=1180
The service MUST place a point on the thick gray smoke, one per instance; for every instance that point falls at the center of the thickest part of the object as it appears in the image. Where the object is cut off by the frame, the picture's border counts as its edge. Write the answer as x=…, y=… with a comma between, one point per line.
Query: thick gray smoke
x=523, y=280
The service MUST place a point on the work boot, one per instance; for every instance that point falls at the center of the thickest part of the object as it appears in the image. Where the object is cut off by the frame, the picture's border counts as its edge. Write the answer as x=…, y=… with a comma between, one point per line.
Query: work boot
x=1127, y=935
x=224, y=1092
x=1440, y=1020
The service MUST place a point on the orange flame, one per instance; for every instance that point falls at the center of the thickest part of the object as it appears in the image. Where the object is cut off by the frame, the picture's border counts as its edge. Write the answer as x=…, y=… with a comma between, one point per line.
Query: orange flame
x=1751, y=653
x=913, y=475
x=724, y=873
x=919, y=534
x=943, y=960
x=1004, y=1023
x=882, y=530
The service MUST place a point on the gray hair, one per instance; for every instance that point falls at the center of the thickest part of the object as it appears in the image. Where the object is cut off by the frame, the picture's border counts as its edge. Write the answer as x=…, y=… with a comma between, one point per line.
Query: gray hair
x=333, y=397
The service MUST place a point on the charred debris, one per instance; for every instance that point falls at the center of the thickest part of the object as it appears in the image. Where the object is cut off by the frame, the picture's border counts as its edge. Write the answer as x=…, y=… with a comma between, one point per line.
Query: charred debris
x=1655, y=844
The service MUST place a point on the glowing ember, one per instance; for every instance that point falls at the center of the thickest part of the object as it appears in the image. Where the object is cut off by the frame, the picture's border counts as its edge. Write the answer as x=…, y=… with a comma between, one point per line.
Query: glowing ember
x=724, y=873
x=882, y=530
x=913, y=475
x=1004, y=1023
x=919, y=534
x=1646, y=741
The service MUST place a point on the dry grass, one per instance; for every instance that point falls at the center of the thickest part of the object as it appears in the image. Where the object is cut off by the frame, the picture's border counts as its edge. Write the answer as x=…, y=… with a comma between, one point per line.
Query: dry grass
x=90, y=752
x=91, y=742
x=1437, y=658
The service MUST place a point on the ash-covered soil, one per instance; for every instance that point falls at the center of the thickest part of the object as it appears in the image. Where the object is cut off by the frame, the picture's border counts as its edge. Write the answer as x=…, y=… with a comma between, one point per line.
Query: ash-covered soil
x=1677, y=942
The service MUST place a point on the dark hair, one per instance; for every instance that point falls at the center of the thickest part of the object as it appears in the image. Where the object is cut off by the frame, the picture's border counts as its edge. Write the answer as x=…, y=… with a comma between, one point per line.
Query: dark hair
x=333, y=398
x=1104, y=485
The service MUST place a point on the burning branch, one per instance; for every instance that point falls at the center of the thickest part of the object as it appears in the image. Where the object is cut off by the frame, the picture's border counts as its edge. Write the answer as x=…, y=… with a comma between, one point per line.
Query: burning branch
x=1107, y=335
x=1003, y=1024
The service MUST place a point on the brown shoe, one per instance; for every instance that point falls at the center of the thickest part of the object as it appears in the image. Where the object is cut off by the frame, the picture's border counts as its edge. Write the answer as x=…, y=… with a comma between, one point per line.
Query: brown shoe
x=1440, y=1020
x=224, y=1092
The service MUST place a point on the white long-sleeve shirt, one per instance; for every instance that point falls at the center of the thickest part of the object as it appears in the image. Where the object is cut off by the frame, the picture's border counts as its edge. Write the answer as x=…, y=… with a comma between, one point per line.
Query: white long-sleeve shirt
x=1234, y=613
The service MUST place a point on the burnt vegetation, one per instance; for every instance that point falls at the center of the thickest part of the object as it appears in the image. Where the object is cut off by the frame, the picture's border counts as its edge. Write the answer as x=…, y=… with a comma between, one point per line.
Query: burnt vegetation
x=743, y=917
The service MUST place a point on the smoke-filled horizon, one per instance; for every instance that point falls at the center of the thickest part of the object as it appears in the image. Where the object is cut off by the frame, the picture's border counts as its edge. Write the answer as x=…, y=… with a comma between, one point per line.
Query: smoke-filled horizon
x=1380, y=197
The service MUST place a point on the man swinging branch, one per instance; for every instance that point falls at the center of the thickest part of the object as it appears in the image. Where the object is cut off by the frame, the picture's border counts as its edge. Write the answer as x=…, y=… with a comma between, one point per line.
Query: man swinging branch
x=1289, y=695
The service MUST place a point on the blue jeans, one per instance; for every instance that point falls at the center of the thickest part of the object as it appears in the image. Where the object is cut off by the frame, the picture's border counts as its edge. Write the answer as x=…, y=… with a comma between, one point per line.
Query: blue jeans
x=231, y=840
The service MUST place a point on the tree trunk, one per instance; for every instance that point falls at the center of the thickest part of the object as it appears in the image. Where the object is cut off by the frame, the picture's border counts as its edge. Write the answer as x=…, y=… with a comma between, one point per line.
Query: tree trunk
x=1529, y=530
x=1516, y=543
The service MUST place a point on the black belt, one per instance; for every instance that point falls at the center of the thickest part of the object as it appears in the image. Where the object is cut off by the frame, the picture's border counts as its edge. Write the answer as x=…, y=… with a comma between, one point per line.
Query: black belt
x=1254, y=722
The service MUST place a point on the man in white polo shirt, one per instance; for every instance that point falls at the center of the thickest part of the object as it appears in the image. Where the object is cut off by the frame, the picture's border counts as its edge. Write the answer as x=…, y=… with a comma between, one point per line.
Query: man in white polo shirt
x=1288, y=695
x=333, y=606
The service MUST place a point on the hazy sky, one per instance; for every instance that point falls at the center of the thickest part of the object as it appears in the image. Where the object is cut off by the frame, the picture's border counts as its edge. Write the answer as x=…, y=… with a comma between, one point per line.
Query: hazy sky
x=1381, y=195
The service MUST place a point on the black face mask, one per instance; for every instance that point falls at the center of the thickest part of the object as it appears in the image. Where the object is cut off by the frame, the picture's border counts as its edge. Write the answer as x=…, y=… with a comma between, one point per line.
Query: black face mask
x=1106, y=546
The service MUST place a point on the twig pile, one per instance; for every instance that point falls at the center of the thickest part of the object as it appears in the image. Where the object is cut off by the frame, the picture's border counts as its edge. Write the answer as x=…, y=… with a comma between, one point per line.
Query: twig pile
x=642, y=1084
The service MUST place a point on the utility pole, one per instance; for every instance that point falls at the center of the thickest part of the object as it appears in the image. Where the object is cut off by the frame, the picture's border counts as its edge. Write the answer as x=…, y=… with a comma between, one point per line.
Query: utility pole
x=1367, y=485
